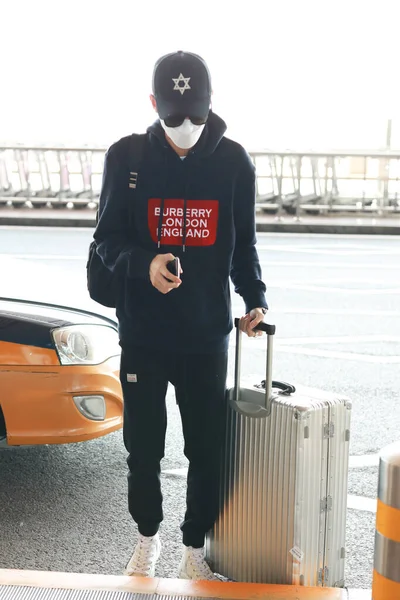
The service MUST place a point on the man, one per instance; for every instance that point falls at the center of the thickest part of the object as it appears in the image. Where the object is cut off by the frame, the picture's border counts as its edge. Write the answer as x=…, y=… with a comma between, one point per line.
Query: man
x=195, y=201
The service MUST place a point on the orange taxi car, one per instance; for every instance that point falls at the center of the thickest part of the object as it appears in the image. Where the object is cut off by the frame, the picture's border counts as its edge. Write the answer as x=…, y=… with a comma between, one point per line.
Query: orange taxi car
x=59, y=374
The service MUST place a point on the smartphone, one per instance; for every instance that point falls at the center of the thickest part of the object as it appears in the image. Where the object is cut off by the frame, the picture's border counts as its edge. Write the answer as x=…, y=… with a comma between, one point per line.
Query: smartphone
x=174, y=267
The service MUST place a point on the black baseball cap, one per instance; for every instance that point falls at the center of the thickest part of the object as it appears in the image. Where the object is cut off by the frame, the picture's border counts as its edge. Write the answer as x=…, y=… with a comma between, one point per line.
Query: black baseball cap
x=182, y=85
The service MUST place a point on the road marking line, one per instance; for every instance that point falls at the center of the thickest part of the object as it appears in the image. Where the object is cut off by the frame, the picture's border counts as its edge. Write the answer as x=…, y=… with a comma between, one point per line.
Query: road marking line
x=355, y=462
x=361, y=503
x=342, y=339
x=320, y=284
x=46, y=228
x=332, y=237
x=365, y=460
x=323, y=265
x=335, y=311
x=299, y=346
x=329, y=252
x=178, y=472
x=368, y=358
x=352, y=278
x=33, y=257
x=355, y=502
x=325, y=246
x=350, y=291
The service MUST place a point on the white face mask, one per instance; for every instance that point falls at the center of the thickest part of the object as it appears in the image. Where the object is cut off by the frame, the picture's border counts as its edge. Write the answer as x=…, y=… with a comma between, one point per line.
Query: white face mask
x=186, y=135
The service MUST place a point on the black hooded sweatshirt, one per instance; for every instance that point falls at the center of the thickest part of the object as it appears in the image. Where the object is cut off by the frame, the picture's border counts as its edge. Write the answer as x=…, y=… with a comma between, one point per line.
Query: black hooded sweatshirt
x=200, y=209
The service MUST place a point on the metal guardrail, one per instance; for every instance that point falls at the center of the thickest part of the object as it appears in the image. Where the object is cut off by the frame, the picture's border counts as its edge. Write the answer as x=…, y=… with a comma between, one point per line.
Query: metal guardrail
x=55, y=176
x=323, y=182
x=287, y=182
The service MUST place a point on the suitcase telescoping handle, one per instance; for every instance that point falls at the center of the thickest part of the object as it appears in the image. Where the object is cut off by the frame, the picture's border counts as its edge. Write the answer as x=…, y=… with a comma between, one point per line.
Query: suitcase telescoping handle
x=270, y=331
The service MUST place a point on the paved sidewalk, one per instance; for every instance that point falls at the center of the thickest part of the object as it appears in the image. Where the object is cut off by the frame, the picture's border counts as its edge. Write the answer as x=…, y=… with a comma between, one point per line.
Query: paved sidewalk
x=350, y=224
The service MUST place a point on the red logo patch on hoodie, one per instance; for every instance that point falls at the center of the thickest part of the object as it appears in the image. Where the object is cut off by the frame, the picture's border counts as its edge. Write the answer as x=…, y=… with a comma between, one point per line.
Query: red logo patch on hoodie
x=201, y=217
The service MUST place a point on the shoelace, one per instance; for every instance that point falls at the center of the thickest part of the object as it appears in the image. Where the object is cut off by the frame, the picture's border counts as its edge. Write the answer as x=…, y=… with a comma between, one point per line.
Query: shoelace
x=143, y=559
x=200, y=567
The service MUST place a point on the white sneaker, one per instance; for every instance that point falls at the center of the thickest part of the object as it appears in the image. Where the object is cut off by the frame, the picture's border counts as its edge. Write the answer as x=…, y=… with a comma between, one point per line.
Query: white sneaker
x=194, y=566
x=145, y=556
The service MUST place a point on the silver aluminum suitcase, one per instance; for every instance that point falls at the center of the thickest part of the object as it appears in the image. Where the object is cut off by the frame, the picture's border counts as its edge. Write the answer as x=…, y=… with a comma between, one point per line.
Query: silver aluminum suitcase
x=283, y=494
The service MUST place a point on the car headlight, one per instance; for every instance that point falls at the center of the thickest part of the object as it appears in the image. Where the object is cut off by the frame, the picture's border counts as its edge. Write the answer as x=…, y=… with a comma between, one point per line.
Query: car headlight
x=85, y=344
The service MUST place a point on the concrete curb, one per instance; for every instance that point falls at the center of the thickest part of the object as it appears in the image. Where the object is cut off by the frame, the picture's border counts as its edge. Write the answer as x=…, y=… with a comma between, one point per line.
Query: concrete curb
x=45, y=581
x=328, y=227
x=57, y=221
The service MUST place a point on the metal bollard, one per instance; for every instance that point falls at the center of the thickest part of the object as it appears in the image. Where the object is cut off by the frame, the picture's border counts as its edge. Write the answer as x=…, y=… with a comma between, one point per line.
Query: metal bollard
x=386, y=578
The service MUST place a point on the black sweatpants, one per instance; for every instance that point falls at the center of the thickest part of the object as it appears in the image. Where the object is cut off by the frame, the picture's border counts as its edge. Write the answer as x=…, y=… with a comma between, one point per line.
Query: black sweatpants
x=200, y=383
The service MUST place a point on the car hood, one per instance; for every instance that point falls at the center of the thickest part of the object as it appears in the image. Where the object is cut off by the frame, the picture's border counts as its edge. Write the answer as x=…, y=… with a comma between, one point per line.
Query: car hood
x=29, y=322
x=50, y=314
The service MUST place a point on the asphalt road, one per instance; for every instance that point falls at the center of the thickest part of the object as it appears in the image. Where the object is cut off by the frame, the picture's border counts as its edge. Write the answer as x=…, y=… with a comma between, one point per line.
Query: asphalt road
x=336, y=303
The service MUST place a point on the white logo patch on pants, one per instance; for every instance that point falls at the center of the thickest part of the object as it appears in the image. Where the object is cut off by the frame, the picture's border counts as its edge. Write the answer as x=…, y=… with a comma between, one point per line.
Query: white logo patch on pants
x=131, y=378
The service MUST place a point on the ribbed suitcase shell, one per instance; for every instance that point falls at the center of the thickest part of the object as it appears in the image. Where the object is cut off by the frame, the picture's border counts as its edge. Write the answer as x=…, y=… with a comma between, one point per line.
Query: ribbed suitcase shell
x=283, y=490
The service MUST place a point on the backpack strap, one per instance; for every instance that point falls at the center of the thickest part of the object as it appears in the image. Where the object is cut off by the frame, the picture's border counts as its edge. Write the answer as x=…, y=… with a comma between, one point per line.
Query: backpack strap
x=136, y=152
x=137, y=144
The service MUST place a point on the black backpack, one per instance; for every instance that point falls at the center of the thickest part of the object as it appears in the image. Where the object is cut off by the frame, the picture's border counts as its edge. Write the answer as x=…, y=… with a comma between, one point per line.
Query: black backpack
x=101, y=282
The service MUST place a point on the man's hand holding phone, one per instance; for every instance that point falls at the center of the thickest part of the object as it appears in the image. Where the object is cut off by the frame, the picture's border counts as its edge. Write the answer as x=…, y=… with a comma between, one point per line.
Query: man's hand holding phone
x=165, y=270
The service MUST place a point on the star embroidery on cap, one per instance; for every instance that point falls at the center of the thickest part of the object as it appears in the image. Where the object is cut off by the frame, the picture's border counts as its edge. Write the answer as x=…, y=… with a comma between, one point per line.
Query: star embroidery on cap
x=182, y=88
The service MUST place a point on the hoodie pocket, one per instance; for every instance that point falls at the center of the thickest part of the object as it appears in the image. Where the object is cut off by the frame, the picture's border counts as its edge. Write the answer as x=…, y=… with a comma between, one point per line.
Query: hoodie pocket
x=213, y=309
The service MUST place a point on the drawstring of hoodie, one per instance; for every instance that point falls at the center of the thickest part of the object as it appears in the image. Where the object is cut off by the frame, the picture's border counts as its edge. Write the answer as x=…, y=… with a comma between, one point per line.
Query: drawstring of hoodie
x=184, y=225
x=161, y=217
x=185, y=208
x=160, y=222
